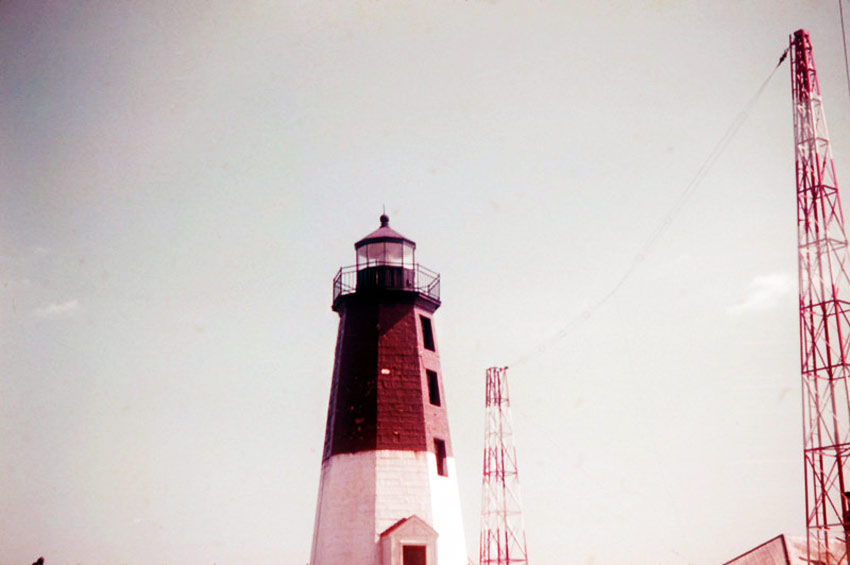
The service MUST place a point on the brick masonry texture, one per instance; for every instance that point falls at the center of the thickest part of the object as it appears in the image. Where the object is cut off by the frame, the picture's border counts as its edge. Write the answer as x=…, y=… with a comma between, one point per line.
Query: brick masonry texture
x=379, y=392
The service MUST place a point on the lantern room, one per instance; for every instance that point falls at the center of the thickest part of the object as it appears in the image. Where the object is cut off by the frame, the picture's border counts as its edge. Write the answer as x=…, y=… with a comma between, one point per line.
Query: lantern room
x=386, y=261
x=385, y=247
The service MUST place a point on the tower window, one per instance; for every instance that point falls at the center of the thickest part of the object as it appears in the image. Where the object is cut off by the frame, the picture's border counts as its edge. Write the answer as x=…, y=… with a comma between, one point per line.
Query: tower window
x=427, y=333
x=433, y=388
x=440, y=450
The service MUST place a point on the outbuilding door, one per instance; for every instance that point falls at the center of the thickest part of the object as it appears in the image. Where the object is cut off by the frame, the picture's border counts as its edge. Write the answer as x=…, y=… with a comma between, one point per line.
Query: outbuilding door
x=413, y=555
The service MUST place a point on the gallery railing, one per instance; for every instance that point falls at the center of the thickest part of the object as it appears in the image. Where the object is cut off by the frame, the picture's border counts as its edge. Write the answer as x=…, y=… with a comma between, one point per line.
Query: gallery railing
x=419, y=279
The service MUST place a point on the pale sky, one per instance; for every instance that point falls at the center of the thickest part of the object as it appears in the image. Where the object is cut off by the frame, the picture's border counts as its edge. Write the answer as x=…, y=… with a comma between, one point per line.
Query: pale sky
x=179, y=185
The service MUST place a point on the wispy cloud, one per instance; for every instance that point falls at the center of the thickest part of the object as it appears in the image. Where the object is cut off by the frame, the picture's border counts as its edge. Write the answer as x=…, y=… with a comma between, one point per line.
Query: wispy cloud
x=15, y=283
x=55, y=310
x=764, y=292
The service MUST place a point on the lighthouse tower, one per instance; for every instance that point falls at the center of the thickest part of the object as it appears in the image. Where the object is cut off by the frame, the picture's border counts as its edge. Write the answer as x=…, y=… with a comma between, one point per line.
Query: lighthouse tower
x=388, y=493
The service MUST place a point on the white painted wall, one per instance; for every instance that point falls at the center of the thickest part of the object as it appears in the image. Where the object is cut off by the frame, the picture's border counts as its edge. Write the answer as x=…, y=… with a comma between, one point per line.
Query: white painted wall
x=363, y=494
x=345, y=524
x=402, y=488
x=447, y=518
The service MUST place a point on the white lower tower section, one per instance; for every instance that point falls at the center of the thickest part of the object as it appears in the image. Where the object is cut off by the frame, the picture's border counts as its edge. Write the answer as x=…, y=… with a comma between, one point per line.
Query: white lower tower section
x=363, y=494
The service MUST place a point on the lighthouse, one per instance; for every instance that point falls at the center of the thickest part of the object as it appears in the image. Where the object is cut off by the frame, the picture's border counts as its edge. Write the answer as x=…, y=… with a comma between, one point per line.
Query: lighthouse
x=388, y=492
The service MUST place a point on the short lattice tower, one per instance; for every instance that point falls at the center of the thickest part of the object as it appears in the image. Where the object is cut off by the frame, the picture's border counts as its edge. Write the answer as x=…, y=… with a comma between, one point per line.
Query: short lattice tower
x=502, y=530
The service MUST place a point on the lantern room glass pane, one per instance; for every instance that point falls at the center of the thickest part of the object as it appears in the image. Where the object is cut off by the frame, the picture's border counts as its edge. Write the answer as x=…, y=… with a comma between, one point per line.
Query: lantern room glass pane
x=362, y=258
x=377, y=251
x=407, y=260
x=373, y=253
x=385, y=253
x=393, y=254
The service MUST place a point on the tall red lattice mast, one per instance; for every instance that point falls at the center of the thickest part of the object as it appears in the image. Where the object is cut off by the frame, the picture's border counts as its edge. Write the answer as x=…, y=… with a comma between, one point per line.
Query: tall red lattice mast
x=824, y=317
x=502, y=531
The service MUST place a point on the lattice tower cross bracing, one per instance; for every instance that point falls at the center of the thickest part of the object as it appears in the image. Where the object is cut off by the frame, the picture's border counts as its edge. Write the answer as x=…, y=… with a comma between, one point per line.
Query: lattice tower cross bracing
x=824, y=323
x=502, y=530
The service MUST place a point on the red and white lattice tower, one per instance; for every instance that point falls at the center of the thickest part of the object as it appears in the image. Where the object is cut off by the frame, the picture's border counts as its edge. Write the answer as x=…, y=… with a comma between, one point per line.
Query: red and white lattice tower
x=502, y=531
x=824, y=322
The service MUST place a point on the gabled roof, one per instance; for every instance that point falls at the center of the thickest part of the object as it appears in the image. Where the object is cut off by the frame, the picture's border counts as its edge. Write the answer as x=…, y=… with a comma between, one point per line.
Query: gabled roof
x=413, y=521
x=784, y=549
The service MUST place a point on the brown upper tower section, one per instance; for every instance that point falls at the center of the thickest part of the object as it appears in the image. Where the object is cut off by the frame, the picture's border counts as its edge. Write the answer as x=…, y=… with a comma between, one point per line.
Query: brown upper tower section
x=387, y=388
